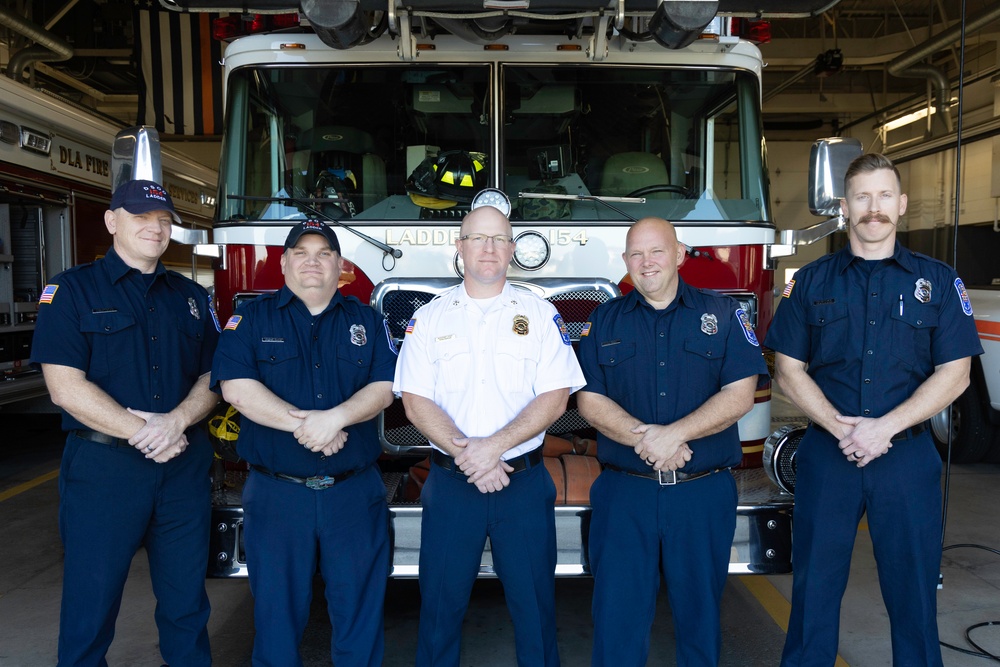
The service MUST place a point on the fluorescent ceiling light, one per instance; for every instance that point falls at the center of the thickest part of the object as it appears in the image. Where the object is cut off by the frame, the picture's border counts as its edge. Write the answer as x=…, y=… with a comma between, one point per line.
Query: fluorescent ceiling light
x=902, y=121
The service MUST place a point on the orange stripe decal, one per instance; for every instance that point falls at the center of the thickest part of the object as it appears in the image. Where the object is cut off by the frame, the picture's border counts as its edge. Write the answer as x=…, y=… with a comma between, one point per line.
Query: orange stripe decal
x=988, y=330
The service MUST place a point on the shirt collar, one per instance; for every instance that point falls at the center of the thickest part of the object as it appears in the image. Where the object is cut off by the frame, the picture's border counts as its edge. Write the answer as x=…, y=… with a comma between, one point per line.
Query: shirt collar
x=118, y=269
x=509, y=297
x=684, y=297
x=287, y=296
x=900, y=255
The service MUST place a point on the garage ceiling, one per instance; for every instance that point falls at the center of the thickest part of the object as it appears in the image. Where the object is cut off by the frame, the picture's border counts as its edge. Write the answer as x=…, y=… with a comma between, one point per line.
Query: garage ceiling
x=799, y=93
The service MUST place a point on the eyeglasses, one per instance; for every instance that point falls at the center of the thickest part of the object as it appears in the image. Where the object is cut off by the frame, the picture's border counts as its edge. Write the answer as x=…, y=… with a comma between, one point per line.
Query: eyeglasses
x=479, y=240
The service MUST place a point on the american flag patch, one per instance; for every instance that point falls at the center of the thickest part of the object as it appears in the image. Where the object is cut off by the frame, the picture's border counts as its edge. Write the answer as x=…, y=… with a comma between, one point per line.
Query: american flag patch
x=233, y=322
x=586, y=330
x=48, y=293
x=787, y=292
x=409, y=326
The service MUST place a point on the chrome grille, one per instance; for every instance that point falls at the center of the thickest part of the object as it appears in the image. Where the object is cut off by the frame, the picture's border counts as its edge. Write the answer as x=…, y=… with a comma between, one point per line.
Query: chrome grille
x=399, y=299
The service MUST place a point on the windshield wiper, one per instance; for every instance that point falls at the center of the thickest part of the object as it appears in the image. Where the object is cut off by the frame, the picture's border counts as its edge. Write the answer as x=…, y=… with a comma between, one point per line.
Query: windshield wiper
x=302, y=202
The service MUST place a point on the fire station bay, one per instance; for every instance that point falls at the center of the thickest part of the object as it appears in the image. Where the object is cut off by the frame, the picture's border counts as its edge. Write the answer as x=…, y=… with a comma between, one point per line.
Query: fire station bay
x=657, y=332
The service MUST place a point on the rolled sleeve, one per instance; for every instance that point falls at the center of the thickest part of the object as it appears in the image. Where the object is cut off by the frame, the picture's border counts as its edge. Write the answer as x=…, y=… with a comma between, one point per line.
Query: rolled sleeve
x=558, y=367
x=415, y=374
x=234, y=356
x=58, y=338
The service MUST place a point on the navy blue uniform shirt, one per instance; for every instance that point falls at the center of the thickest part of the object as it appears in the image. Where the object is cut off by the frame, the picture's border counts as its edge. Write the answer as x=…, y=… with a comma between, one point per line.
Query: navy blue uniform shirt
x=662, y=365
x=314, y=363
x=873, y=330
x=144, y=339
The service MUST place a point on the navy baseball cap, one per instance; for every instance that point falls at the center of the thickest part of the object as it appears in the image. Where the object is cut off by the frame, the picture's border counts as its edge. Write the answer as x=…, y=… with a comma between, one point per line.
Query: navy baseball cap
x=312, y=227
x=138, y=197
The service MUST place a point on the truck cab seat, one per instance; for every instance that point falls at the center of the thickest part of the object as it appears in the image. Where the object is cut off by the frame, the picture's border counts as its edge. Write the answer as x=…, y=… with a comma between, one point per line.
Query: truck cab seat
x=625, y=173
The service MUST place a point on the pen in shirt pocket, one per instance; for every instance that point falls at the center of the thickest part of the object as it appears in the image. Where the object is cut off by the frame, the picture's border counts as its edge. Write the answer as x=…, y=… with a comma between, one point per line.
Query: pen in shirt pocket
x=900, y=305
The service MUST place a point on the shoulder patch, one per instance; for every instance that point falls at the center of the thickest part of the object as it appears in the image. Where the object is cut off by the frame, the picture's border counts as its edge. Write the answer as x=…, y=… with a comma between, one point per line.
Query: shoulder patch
x=48, y=294
x=963, y=296
x=563, y=331
x=747, y=327
x=411, y=325
x=233, y=322
x=215, y=317
x=586, y=330
x=787, y=292
x=388, y=338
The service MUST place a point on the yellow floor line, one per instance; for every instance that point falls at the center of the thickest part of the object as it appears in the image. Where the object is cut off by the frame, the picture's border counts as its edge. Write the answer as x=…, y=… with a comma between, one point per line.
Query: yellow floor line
x=21, y=488
x=774, y=603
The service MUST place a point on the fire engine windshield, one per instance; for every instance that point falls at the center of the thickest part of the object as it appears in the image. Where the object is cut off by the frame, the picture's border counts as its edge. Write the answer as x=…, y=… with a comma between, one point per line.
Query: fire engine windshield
x=402, y=142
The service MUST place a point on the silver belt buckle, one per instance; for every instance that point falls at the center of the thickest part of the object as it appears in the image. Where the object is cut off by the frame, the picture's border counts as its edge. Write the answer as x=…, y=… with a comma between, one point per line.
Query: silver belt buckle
x=667, y=477
x=320, y=483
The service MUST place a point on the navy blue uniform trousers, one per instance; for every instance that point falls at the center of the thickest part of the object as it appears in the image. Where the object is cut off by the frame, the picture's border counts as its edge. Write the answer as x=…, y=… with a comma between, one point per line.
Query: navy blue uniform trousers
x=520, y=522
x=901, y=494
x=638, y=527
x=112, y=501
x=289, y=531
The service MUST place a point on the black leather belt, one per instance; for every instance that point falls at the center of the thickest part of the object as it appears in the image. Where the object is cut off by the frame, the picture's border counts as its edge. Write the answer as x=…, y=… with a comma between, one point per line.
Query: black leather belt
x=905, y=434
x=102, y=438
x=664, y=477
x=317, y=483
x=518, y=463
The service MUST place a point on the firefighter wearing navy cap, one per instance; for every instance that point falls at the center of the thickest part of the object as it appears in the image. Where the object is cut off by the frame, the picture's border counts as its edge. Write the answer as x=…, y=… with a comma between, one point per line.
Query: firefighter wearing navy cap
x=126, y=349
x=870, y=342
x=309, y=369
x=485, y=368
x=670, y=369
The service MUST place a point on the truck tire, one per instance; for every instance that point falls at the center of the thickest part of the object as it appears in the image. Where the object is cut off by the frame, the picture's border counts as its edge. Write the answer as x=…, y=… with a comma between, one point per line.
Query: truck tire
x=972, y=432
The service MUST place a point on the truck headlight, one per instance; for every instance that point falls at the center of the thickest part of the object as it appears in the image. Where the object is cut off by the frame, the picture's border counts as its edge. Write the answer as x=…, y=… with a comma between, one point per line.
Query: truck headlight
x=780, y=451
x=498, y=199
x=531, y=250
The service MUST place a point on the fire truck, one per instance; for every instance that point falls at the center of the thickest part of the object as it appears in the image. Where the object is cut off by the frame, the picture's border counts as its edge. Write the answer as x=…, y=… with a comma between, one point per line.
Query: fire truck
x=970, y=427
x=389, y=122
x=56, y=169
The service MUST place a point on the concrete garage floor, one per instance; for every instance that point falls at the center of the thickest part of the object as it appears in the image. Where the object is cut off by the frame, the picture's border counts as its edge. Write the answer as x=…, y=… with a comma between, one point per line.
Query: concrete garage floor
x=755, y=609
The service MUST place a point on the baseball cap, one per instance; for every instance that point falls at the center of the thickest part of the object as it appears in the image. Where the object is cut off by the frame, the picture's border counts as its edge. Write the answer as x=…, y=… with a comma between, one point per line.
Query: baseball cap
x=312, y=227
x=141, y=197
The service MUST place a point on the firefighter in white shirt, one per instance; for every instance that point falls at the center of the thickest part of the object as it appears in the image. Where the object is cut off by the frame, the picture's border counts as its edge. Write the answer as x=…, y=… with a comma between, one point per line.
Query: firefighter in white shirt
x=485, y=368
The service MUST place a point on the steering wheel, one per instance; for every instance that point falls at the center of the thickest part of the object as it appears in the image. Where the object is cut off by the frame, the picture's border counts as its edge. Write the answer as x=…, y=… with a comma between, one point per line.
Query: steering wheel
x=662, y=187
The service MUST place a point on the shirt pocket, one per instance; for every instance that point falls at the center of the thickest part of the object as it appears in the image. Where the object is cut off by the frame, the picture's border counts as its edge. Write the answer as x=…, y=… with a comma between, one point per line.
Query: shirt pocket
x=617, y=363
x=516, y=365
x=911, y=334
x=829, y=331
x=705, y=349
x=453, y=360
x=115, y=338
x=355, y=359
x=190, y=343
x=277, y=362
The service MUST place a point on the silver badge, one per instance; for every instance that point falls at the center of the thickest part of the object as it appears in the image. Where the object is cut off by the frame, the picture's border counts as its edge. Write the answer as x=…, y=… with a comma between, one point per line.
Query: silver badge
x=358, y=335
x=193, y=305
x=709, y=324
x=923, y=290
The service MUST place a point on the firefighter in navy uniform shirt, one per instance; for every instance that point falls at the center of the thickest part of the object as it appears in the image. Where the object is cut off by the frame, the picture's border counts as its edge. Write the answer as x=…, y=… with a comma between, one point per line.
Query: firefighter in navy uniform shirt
x=309, y=369
x=669, y=369
x=870, y=342
x=126, y=347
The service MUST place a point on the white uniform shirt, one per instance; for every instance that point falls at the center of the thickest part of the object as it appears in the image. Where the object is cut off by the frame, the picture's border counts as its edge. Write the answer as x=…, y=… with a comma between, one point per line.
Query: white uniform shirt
x=481, y=368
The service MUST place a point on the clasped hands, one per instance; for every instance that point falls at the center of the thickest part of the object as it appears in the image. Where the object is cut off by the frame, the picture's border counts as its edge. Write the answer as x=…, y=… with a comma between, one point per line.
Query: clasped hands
x=161, y=438
x=863, y=439
x=661, y=447
x=320, y=431
x=480, y=461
